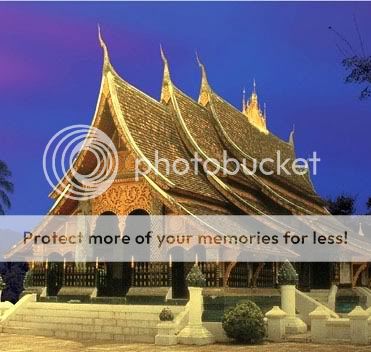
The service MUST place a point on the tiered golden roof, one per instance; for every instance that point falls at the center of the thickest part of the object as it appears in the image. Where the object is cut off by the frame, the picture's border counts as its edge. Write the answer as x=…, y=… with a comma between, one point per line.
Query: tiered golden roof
x=178, y=126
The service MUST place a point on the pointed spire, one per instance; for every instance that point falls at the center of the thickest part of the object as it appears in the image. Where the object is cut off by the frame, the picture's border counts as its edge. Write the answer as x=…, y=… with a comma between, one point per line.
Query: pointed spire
x=203, y=98
x=253, y=112
x=166, y=81
x=243, y=99
x=291, y=137
x=106, y=60
x=203, y=70
x=166, y=65
x=254, y=96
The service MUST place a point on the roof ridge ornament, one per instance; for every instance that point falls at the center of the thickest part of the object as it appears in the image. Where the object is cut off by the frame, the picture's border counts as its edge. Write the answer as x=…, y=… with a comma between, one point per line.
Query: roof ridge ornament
x=291, y=137
x=106, y=60
x=203, y=97
x=203, y=70
x=166, y=81
x=243, y=99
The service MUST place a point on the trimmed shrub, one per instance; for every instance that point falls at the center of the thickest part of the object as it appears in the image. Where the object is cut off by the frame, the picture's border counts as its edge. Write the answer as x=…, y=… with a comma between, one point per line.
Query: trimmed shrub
x=166, y=315
x=287, y=274
x=244, y=323
x=195, y=278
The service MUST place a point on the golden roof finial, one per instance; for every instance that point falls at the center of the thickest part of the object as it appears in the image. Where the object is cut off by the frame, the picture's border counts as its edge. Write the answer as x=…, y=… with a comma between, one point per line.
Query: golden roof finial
x=203, y=98
x=203, y=70
x=163, y=57
x=166, y=81
x=291, y=137
x=166, y=65
x=243, y=99
x=106, y=60
x=254, y=96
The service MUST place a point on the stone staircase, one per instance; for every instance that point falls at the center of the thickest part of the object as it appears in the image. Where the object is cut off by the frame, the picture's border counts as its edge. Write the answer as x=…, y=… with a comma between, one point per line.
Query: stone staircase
x=306, y=303
x=122, y=323
x=320, y=296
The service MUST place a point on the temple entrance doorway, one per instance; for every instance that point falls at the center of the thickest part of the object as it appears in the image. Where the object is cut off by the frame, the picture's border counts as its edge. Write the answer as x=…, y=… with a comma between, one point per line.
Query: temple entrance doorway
x=108, y=224
x=54, y=274
x=178, y=273
x=320, y=275
x=315, y=275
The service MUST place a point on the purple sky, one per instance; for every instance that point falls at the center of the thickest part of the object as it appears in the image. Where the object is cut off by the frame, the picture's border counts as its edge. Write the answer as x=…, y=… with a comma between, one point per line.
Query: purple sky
x=50, y=69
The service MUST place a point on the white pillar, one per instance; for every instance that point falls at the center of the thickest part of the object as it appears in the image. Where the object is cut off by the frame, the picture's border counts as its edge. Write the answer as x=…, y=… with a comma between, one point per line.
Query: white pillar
x=293, y=324
x=319, y=318
x=195, y=333
x=276, y=324
x=358, y=326
x=288, y=301
x=196, y=306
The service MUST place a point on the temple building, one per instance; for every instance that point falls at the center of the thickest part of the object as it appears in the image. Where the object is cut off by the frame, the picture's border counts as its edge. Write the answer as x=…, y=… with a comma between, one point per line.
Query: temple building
x=177, y=126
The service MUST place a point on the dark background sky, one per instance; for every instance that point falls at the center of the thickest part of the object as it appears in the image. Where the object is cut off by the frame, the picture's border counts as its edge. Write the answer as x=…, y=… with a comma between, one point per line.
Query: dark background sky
x=50, y=70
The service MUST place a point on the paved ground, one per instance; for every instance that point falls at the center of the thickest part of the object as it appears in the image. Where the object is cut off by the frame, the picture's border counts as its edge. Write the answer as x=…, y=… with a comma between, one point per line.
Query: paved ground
x=18, y=343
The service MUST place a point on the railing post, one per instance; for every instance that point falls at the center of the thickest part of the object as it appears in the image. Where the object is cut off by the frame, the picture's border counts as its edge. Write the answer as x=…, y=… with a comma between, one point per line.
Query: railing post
x=276, y=324
x=358, y=326
x=319, y=318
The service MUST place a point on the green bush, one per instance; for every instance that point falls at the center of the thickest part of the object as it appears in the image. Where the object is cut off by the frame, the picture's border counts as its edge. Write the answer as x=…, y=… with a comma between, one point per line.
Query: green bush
x=166, y=315
x=287, y=274
x=244, y=323
x=195, y=278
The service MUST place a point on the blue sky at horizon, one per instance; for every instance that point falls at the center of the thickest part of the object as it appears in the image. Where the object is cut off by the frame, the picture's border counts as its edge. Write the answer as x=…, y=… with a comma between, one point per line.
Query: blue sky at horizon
x=50, y=70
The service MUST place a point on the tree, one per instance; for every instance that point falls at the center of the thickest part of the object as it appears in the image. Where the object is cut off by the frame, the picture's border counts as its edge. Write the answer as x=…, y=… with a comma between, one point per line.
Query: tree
x=13, y=274
x=6, y=187
x=360, y=72
x=355, y=61
x=368, y=205
x=342, y=205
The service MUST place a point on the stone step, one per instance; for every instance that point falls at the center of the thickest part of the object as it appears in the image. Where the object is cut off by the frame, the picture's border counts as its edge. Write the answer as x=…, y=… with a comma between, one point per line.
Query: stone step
x=79, y=335
x=80, y=315
x=121, y=326
x=299, y=338
x=16, y=330
x=124, y=323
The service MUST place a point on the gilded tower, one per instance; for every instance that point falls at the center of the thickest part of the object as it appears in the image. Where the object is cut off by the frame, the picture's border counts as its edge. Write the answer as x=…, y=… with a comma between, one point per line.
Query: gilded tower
x=252, y=111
